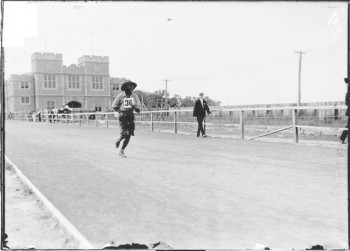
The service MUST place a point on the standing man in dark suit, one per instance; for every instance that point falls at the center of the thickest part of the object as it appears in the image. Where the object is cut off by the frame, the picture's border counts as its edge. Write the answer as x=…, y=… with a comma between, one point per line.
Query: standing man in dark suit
x=200, y=107
x=345, y=133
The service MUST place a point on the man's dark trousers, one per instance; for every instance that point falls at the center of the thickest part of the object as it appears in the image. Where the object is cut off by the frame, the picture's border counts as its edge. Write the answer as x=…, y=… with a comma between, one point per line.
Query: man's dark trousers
x=344, y=135
x=200, y=126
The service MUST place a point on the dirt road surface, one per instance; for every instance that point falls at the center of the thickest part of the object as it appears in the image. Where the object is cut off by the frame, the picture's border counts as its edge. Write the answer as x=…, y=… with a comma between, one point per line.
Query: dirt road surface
x=28, y=222
x=185, y=191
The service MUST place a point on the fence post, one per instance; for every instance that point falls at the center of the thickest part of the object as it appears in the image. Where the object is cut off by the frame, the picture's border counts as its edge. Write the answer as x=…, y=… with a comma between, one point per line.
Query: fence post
x=175, y=124
x=87, y=119
x=152, y=127
x=241, y=123
x=295, y=128
x=107, y=122
x=96, y=120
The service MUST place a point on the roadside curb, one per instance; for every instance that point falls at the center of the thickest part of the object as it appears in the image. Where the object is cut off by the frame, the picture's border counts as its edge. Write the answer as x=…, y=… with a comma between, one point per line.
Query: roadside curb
x=63, y=221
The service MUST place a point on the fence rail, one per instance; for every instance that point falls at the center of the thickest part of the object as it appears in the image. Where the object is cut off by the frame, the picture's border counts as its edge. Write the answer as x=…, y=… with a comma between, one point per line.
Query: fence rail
x=237, y=118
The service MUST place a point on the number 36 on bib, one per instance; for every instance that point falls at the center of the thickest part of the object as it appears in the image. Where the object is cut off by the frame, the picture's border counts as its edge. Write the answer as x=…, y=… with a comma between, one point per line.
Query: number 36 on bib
x=128, y=102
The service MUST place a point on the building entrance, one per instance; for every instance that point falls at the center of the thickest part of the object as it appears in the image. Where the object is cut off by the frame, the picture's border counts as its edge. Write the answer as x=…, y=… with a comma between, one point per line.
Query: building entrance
x=74, y=104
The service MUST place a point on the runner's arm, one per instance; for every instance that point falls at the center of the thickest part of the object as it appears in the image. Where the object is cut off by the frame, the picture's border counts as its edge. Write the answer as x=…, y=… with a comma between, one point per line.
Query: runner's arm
x=137, y=106
x=117, y=103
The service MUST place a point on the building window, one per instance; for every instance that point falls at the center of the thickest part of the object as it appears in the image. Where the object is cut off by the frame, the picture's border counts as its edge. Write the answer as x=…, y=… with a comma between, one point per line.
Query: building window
x=24, y=100
x=49, y=81
x=24, y=85
x=97, y=82
x=98, y=106
x=50, y=104
x=115, y=87
x=73, y=82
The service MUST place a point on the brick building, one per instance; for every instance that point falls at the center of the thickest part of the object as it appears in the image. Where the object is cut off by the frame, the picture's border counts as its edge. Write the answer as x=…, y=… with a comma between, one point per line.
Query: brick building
x=50, y=84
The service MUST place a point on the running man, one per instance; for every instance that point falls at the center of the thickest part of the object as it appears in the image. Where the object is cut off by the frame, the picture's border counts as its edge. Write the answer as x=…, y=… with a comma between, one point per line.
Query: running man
x=125, y=104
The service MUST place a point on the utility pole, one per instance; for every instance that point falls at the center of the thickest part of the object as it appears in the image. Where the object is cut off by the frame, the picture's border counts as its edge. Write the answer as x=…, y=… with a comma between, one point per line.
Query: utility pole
x=299, y=84
x=166, y=92
x=92, y=43
x=45, y=39
x=348, y=169
x=3, y=243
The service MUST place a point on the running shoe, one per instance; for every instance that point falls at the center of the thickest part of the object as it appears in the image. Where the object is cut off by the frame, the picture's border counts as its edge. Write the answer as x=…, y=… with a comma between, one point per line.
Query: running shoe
x=121, y=154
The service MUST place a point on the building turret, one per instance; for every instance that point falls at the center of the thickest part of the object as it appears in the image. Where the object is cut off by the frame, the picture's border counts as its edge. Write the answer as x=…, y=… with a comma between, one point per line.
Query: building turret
x=95, y=65
x=46, y=62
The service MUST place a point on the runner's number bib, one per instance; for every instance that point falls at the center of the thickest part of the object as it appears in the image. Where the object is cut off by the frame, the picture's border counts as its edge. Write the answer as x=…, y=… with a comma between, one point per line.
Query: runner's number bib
x=128, y=102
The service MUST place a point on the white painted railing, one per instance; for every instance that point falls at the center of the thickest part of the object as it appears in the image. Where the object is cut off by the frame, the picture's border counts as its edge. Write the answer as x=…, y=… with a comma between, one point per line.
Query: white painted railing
x=174, y=117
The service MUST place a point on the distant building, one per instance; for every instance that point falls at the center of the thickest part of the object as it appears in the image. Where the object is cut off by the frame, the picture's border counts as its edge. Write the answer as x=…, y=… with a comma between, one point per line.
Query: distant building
x=86, y=86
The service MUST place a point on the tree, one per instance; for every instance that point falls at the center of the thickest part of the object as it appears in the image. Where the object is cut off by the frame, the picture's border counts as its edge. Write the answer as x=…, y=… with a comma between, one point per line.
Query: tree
x=150, y=99
x=188, y=101
x=212, y=102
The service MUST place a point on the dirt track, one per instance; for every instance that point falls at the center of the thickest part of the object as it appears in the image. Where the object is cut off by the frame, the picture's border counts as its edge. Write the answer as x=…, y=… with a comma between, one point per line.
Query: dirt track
x=185, y=191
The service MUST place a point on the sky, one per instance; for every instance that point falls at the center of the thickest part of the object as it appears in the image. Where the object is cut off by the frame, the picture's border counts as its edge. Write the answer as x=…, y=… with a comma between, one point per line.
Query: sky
x=235, y=52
